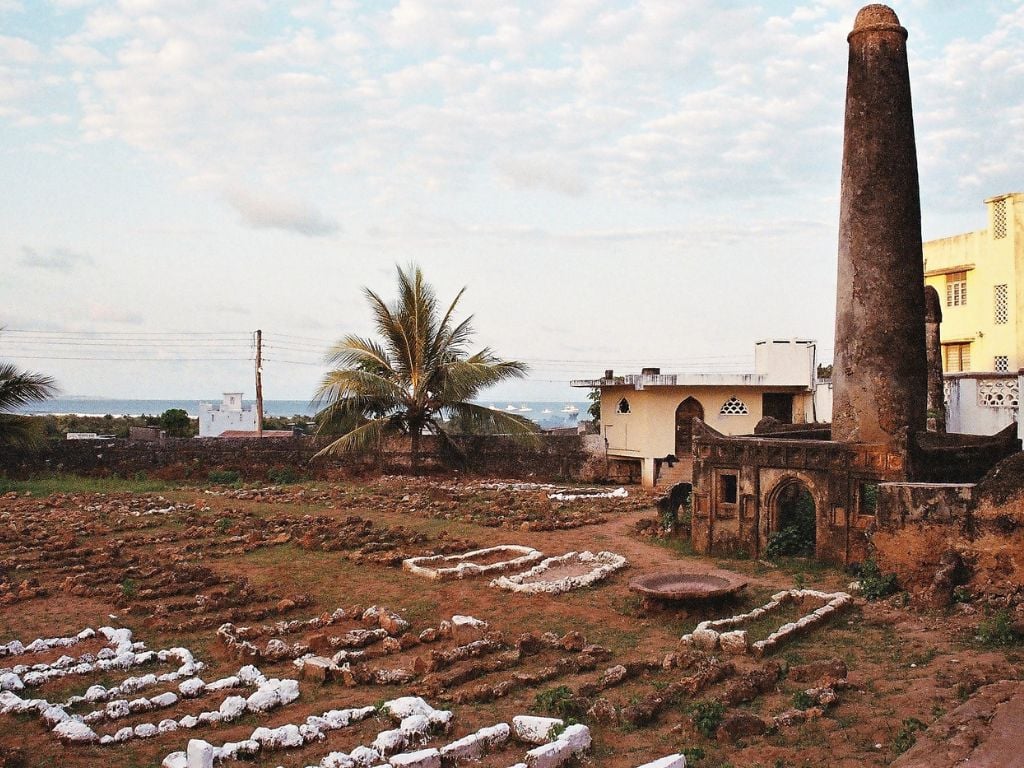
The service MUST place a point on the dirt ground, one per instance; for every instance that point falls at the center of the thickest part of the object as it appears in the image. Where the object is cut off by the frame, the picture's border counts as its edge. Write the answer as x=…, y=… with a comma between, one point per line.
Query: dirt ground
x=173, y=567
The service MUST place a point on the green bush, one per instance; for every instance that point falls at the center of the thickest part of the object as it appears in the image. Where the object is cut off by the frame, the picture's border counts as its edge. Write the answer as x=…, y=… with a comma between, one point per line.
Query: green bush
x=282, y=475
x=560, y=702
x=224, y=476
x=796, y=538
x=693, y=754
x=706, y=716
x=906, y=737
x=874, y=584
x=802, y=700
x=997, y=630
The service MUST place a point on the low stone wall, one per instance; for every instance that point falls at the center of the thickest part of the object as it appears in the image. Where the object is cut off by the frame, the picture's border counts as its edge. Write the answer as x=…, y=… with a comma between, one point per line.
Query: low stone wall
x=558, y=457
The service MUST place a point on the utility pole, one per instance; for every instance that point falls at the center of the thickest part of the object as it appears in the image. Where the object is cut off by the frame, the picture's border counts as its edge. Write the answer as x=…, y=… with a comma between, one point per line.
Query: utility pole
x=259, y=383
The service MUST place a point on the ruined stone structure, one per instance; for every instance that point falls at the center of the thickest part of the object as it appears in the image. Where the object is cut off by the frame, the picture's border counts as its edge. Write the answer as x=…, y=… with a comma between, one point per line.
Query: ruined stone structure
x=879, y=374
x=933, y=351
x=747, y=488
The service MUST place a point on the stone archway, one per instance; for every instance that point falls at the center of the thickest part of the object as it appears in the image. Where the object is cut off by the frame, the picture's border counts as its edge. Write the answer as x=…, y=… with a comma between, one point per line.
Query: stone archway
x=687, y=411
x=792, y=519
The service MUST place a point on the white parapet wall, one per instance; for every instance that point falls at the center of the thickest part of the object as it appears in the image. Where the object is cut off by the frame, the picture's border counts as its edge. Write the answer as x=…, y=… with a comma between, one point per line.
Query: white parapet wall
x=981, y=403
x=228, y=415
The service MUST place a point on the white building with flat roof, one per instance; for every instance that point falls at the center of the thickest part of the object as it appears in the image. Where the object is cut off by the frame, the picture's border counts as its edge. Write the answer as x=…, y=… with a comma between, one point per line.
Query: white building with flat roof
x=230, y=414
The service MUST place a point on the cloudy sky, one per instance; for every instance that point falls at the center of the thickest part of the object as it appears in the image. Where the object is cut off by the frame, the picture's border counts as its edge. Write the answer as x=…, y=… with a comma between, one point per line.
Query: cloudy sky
x=616, y=183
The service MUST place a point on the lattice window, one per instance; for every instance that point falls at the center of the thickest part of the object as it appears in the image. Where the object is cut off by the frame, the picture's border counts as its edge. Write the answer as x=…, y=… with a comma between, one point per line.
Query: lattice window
x=623, y=406
x=1002, y=305
x=956, y=289
x=957, y=357
x=1001, y=363
x=947, y=387
x=999, y=219
x=998, y=394
x=734, y=407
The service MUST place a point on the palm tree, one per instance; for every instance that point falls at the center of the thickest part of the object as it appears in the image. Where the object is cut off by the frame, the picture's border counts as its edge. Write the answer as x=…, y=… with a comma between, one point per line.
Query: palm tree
x=417, y=372
x=20, y=388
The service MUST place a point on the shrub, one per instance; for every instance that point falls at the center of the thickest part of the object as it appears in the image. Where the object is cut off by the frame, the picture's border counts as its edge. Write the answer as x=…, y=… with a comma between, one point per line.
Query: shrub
x=706, y=716
x=997, y=630
x=796, y=538
x=874, y=584
x=282, y=475
x=802, y=700
x=224, y=476
x=906, y=736
x=693, y=754
x=560, y=702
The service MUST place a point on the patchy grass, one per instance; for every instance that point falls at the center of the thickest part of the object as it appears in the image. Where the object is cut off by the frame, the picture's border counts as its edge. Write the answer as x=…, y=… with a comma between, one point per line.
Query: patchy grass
x=44, y=486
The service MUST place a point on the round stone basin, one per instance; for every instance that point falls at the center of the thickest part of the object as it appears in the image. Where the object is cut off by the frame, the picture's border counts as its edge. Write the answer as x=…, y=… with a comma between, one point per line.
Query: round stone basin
x=687, y=585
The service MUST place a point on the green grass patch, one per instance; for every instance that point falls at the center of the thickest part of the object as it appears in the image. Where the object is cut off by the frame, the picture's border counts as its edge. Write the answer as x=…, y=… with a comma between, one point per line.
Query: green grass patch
x=61, y=483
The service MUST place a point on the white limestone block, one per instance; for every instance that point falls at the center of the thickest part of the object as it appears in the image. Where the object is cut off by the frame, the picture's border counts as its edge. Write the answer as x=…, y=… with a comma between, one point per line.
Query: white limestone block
x=577, y=736
x=705, y=639
x=191, y=688
x=424, y=758
x=670, y=761
x=389, y=742
x=145, y=730
x=550, y=755
x=734, y=642
x=175, y=760
x=74, y=732
x=199, y=754
x=535, y=730
x=232, y=707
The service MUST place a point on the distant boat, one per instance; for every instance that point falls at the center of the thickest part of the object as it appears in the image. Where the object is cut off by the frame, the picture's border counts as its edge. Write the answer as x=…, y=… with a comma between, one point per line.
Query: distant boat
x=571, y=409
x=524, y=409
x=546, y=412
x=510, y=407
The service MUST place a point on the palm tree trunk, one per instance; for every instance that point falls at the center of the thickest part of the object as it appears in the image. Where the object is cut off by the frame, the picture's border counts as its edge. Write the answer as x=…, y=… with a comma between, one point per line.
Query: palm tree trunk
x=414, y=456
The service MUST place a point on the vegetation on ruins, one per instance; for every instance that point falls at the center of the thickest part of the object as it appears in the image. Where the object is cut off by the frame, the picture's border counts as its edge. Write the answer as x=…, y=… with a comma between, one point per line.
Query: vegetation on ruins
x=594, y=409
x=418, y=373
x=19, y=388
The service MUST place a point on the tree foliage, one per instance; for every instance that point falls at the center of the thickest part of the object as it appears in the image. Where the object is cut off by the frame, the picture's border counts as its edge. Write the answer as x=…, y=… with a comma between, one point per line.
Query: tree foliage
x=594, y=409
x=417, y=373
x=18, y=388
x=176, y=423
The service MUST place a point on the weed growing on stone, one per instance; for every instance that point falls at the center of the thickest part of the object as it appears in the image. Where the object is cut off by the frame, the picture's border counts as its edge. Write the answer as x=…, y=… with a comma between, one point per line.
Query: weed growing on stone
x=560, y=702
x=802, y=700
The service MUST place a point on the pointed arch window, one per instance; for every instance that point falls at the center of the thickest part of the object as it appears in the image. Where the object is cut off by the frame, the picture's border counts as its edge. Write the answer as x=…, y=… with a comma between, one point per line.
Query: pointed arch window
x=623, y=406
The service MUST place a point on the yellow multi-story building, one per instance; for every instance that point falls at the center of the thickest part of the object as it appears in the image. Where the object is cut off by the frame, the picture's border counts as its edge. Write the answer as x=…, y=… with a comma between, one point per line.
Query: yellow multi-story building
x=980, y=279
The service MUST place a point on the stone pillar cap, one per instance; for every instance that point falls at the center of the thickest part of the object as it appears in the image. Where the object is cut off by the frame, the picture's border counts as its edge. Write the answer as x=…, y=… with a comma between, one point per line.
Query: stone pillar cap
x=876, y=18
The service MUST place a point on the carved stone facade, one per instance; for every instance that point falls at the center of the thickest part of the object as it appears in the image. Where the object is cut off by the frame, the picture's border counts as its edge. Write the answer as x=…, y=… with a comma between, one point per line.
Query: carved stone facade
x=739, y=483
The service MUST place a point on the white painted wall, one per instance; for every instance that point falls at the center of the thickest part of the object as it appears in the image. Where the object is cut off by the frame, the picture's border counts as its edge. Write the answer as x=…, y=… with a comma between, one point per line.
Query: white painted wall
x=229, y=414
x=969, y=403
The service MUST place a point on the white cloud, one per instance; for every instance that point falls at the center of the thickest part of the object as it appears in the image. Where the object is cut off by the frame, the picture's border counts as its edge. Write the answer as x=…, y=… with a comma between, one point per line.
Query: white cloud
x=54, y=259
x=265, y=212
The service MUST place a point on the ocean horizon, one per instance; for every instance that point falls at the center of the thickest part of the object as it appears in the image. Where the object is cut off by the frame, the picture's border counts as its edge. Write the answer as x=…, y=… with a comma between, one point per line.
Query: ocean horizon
x=545, y=413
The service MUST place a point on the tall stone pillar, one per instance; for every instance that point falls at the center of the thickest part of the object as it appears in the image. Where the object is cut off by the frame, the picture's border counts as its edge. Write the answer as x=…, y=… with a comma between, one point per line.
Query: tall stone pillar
x=880, y=373
x=933, y=352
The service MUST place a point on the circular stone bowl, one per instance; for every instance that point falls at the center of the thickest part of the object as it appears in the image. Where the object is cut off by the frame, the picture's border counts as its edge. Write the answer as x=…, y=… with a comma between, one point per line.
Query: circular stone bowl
x=687, y=585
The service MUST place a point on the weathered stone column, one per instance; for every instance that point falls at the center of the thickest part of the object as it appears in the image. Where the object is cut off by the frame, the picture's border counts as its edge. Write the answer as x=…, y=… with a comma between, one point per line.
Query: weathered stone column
x=880, y=373
x=933, y=352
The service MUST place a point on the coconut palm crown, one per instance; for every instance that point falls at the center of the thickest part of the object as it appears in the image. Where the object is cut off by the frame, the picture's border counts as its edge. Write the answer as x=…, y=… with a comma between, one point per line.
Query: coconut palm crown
x=20, y=388
x=419, y=371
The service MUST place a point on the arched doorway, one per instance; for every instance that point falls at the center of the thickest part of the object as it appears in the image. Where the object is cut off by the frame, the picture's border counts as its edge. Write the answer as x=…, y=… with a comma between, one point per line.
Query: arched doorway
x=687, y=411
x=793, y=521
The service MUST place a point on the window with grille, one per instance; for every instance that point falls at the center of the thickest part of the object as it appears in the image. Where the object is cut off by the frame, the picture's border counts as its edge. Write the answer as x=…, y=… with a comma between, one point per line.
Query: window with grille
x=733, y=407
x=1002, y=310
x=999, y=219
x=956, y=357
x=623, y=406
x=956, y=289
x=1002, y=363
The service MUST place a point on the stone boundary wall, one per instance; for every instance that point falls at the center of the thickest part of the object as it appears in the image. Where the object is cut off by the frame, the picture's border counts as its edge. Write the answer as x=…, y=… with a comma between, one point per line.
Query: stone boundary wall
x=558, y=457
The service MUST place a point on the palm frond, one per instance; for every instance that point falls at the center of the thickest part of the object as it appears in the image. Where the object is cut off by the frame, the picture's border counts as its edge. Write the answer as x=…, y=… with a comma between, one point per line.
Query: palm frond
x=479, y=419
x=19, y=431
x=19, y=388
x=367, y=436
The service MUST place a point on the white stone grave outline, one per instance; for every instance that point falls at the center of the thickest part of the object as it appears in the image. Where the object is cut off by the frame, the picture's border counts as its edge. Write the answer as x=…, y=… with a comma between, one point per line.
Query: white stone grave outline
x=708, y=635
x=431, y=566
x=606, y=563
